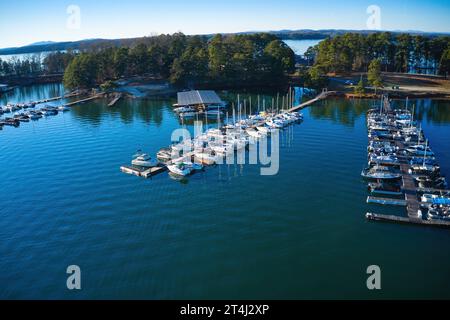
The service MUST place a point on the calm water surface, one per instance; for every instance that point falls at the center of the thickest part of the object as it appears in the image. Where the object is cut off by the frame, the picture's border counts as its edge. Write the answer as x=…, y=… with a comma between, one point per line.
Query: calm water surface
x=300, y=46
x=225, y=233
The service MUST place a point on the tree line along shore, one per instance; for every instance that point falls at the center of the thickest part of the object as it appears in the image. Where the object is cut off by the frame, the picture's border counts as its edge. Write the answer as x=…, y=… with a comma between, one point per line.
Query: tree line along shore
x=242, y=60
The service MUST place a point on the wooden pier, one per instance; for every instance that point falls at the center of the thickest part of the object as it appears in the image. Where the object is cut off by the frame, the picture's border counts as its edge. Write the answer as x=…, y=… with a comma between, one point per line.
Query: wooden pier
x=322, y=96
x=69, y=95
x=145, y=173
x=96, y=96
x=387, y=201
x=117, y=97
x=392, y=218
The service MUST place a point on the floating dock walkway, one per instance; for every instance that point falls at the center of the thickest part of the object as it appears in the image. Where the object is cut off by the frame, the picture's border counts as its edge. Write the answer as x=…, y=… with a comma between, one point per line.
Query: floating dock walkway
x=322, y=96
x=96, y=96
x=392, y=218
x=411, y=200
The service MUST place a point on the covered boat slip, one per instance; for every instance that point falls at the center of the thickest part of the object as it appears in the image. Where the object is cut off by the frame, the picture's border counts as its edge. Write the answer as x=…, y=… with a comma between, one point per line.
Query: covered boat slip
x=198, y=98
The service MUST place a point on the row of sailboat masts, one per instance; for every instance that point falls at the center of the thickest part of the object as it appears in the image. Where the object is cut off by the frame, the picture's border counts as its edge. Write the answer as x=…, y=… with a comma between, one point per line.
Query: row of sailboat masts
x=287, y=102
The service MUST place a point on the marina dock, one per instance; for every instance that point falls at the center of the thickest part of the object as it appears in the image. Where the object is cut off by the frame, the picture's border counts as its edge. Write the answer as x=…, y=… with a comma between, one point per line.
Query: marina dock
x=69, y=95
x=387, y=201
x=406, y=220
x=145, y=173
x=96, y=96
x=411, y=199
x=153, y=171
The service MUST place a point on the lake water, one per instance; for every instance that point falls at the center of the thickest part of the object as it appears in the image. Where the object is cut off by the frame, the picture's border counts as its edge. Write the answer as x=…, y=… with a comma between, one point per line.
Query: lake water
x=225, y=233
x=300, y=46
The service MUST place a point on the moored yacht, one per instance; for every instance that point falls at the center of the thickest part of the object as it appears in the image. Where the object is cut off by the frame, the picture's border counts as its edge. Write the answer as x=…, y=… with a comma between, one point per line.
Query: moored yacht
x=143, y=160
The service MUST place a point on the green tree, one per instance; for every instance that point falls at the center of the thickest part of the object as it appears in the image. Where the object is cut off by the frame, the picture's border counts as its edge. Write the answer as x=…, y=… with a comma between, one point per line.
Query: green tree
x=444, y=64
x=374, y=74
x=282, y=58
x=81, y=72
x=360, y=88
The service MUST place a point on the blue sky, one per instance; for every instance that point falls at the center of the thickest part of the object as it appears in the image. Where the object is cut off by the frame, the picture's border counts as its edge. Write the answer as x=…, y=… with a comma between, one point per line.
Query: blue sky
x=23, y=22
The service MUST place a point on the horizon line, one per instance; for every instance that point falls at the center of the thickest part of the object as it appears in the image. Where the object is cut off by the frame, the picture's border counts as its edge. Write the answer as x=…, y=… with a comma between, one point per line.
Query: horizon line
x=229, y=33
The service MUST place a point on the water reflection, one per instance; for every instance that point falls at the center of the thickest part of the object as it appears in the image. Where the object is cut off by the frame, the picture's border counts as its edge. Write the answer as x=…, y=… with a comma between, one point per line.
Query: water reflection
x=151, y=110
x=341, y=111
x=32, y=93
x=127, y=110
x=345, y=111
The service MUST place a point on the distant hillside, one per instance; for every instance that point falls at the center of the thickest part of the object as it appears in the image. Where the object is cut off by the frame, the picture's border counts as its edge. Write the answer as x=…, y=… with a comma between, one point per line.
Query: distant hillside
x=303, y=34
x=41, y=43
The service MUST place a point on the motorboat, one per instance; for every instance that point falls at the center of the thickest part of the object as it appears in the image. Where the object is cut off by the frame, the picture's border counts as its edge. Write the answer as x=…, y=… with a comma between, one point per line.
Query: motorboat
x=181, y=169
x=63, y=108
x=389, y=160
x=263, y=129
x=435, y=199
x=428, y=161
x=184, y=109
x=222, y=149
x=438, y=212
x=424, y=169
x=380, y=172
x=255, y=133
x=143, y=160
x=431, y=182
x=274, y=124
x=205, y=158
x=189, y=114
x=420, y=150
x=164, y=155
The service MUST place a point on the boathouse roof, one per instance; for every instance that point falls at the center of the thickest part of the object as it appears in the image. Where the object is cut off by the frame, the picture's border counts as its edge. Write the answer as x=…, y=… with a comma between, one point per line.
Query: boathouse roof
x=196, y=97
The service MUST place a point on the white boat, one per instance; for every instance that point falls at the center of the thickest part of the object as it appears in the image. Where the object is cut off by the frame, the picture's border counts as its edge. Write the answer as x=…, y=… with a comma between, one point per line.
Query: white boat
x=386, y=160
x=180, y=169
x=164, y=155
x=435, y=199
x=380, y=173
x=223, y=149
x=420, y=150
x=254, y=133
x=193, y=165
x=189, y=114
x=63, y=108
x=183, y=109
x=204, y=157
x=34, y=116
x=263, y=129
x=143, y=160
x=274, y=124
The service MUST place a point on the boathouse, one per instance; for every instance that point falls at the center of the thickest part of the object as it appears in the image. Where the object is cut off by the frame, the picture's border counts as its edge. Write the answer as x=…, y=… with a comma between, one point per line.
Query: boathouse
x=198, y=99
